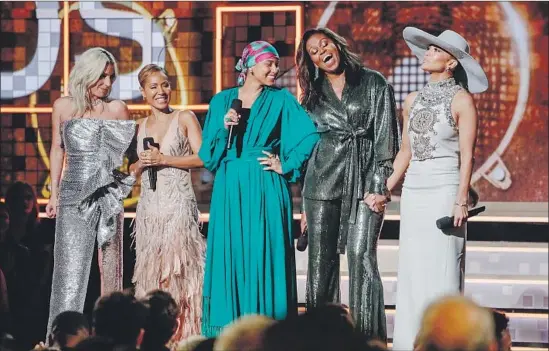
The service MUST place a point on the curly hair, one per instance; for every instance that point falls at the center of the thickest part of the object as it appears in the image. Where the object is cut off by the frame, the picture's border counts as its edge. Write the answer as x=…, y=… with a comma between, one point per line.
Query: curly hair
x=351, y=63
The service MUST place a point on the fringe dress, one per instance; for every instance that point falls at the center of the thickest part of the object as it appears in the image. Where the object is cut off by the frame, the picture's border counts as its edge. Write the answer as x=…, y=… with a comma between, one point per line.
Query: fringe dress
x=168, y=244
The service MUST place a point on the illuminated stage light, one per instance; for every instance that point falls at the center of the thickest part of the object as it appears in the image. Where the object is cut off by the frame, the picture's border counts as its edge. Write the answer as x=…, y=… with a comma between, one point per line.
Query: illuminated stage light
x=200, y=107
x=205, y=217
x=219, y=11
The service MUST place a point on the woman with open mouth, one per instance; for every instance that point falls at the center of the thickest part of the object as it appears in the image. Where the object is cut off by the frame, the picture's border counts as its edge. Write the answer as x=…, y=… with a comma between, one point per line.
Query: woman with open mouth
x=344, y=190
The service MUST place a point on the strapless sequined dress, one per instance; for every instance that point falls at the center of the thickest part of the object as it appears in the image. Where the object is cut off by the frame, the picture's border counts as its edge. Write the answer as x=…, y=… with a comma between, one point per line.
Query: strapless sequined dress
x=90, y=208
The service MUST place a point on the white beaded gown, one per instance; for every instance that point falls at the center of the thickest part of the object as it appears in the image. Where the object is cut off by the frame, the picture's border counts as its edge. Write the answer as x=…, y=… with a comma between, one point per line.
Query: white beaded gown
x=431, y=261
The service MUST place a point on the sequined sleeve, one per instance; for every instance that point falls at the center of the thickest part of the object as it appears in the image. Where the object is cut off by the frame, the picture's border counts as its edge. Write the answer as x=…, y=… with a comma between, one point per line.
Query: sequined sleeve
x=386, y=139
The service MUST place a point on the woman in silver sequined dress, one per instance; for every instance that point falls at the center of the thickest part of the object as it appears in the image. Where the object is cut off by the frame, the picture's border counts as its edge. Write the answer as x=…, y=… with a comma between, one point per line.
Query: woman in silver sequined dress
x=90, y=133
x=440, y=130
x=166, y=225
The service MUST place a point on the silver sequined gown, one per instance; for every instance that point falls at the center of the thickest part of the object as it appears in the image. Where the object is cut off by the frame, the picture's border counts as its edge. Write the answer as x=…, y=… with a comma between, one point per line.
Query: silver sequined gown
x=90, y=208
x=430, y=262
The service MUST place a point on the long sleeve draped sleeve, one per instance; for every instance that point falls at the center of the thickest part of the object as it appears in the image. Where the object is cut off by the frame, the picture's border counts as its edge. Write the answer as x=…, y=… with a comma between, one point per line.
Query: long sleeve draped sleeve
x=298, y=138
x=214, y=135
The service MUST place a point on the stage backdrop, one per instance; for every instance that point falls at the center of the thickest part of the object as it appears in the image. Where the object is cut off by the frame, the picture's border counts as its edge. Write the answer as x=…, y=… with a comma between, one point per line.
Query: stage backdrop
x=199, y=44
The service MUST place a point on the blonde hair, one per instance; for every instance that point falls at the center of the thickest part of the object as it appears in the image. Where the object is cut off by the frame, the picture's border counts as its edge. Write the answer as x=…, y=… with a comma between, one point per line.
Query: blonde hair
x=86, y=72
x=455, y=322
x=244, y=334
x=147, y=71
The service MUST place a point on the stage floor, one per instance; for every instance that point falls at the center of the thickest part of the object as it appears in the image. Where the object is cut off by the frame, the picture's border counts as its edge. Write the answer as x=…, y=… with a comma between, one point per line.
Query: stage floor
x=512, y=277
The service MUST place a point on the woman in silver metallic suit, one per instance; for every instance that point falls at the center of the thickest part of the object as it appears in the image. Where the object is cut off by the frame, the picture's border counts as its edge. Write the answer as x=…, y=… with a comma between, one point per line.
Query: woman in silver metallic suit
x=91, y=134
x=344, y=191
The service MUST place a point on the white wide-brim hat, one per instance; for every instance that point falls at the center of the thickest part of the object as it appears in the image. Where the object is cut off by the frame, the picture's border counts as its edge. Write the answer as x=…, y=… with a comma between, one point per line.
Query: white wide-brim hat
x=418, y=41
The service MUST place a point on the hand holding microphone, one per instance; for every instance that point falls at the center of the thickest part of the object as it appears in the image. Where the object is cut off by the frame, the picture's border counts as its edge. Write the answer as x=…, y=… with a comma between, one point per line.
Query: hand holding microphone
x=232, y=119
x=153, y=159
x=448, y=222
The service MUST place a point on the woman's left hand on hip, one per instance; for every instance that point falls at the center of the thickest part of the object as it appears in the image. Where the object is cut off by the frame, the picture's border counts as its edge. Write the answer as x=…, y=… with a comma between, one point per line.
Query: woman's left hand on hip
x=271, y=162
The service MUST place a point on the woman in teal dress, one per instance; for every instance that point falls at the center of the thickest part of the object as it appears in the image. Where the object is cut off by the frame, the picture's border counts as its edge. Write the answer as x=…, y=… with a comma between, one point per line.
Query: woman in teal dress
x=250, y=263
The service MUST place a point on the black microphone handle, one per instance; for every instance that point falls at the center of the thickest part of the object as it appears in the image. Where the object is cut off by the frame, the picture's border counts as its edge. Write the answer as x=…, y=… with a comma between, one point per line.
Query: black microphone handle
x=303, y=241
x=445, y=222
x=236, y=105
x=152, y=178
x=448, y=222
x=150, y=169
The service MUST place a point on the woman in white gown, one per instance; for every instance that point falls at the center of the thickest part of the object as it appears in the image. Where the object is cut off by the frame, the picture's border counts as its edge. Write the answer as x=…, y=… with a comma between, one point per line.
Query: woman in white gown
x=440, y=130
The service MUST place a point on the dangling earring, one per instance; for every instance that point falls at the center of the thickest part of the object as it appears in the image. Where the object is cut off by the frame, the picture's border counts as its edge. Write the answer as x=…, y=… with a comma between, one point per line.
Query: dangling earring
x=317, y=73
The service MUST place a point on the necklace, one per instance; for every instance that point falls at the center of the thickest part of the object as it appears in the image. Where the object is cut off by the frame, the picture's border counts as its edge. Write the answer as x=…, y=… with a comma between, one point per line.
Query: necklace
x=96, y=102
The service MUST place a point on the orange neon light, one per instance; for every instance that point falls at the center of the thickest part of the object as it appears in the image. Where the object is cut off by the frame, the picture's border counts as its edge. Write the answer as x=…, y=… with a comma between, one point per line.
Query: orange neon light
x=144, y=107
x=199, y=107
x=66, y=51
x=25, y=109
x=298, y=9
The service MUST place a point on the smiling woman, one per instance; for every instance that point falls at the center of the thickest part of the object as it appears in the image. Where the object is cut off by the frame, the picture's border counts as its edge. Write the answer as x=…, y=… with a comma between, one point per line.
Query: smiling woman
x=250, y=264
x=167, y=222
x=344, y=187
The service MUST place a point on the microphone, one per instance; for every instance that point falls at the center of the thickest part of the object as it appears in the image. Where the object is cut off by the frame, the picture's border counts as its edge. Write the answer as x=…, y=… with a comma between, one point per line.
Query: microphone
x=448, y=222
x=303, y=241
x=237, y=106
x=152, y=170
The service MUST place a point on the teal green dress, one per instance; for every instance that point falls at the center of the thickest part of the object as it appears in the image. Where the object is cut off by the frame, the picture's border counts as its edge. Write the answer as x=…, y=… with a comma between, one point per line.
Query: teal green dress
x=250, y=262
